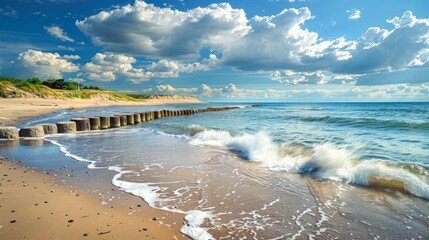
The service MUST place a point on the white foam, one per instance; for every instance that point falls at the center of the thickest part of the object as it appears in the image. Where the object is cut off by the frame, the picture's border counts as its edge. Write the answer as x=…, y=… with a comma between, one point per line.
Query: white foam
x=144, y=190
x=67, y=153
x=44, y=119
x=149, y=193
x=194, y=220
x=326, y=161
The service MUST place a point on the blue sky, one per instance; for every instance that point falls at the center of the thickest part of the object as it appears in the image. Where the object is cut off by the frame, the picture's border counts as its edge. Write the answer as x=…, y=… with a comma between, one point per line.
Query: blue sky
x=261, y=50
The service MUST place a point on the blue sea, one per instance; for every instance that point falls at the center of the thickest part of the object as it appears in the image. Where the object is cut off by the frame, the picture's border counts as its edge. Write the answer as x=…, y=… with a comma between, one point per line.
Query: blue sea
x=275, y=171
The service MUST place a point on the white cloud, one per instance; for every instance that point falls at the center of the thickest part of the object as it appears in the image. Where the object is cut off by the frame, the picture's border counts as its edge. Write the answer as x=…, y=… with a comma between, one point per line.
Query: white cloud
x=8, y=12
x=229, y=91
x=354, y=14
x=172, y=90
x=71, y=49
x=169, y=68
x=39, y=14
x=205, y=90
x=396, y=91
x=109, y=66
x=317, y=77
x=381, y=50
x=270, y=43
x=58, y=33
x=71, y=57
x=146, y=30
x=279, y=42
x=33, y=63
x=345, y=93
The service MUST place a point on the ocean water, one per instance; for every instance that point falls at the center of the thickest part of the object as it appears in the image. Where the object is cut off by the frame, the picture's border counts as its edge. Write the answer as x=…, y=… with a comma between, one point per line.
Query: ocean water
x=276, y=171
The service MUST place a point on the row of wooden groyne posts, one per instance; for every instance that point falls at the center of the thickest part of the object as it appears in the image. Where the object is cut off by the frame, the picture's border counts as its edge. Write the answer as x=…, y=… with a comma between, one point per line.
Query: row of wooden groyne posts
x=98, y=123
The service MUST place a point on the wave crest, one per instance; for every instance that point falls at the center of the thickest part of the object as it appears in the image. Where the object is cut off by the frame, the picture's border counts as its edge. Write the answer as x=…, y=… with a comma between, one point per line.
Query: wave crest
x=325, y=161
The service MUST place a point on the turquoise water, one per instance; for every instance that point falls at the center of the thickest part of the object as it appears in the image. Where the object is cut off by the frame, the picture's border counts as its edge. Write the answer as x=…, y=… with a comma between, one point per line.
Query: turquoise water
x=345, y=141
x=279, y=170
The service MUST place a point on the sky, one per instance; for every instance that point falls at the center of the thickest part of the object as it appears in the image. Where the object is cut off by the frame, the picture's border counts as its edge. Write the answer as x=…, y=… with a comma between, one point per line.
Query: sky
x=259, y=50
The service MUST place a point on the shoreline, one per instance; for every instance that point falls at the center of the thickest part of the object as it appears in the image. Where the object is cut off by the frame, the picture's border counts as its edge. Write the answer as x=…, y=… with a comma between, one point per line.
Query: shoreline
x=34, y=205
x=37, y=205
x=14, y=111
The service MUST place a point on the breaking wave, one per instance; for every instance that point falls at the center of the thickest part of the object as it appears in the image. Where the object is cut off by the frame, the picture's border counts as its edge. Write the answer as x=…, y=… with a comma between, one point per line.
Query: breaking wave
x=324, y=161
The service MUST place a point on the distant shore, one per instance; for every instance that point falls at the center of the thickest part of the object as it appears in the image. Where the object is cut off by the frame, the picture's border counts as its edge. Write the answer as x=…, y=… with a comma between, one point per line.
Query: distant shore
x=17, y=110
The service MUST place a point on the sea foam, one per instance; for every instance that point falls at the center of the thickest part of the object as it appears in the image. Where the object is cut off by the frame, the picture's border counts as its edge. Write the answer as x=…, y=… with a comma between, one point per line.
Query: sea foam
x=326, y=161
x=149, y=193
x=67, y=153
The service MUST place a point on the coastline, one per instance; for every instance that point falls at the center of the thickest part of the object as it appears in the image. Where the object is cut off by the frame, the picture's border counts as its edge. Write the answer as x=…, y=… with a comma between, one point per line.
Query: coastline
x=198, y=185
x=37, y=205
x=16, y=110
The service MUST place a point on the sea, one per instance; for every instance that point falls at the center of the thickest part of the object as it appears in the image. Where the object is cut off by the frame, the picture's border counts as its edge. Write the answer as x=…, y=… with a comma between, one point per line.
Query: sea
x=272, y=171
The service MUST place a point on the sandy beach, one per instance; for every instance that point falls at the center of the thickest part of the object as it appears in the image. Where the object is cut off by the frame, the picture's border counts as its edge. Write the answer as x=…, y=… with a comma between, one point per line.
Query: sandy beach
x=16, y=110
x=33, y=205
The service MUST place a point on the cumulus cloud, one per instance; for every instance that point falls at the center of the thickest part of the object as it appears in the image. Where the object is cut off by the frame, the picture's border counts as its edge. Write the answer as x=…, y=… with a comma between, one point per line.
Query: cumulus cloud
x=205, y=90
x=71, y=57
x=380, y=50
x=353, y=14
x=33, y=63
x=317, y=77
x=229, y=91
x=58, y=33
x=391, y=91
x=275, y=43
x=109, y=66
x=279, y=42
x=169, y=68
x=146, y=30
x=167, y=88
x=346, y=93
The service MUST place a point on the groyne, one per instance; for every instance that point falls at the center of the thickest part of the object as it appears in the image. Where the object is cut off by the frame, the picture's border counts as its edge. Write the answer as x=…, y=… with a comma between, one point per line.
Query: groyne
x=94, y=123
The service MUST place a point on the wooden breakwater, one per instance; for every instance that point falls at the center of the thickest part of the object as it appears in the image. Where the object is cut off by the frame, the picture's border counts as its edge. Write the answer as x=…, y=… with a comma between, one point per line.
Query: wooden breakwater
x=92, y=123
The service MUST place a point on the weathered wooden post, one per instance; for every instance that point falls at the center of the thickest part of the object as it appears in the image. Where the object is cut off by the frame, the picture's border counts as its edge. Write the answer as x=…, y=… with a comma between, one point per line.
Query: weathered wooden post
x=82, y=124
x=9, y=133
x=94, y=123
x=49, y=128
x=130, y=119
x=115, y=121
x=104, y=122
x=32, y=131
x=137, y=118
x=66, y=127
x=123, y=119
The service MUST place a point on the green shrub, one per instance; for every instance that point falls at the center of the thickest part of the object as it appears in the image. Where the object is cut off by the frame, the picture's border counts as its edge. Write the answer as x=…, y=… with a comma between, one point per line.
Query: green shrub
x=34, y=81
x=22, y=84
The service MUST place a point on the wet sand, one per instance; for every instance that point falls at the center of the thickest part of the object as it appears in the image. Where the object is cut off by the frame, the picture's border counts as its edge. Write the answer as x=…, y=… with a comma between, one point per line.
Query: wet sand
x=34, y=206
